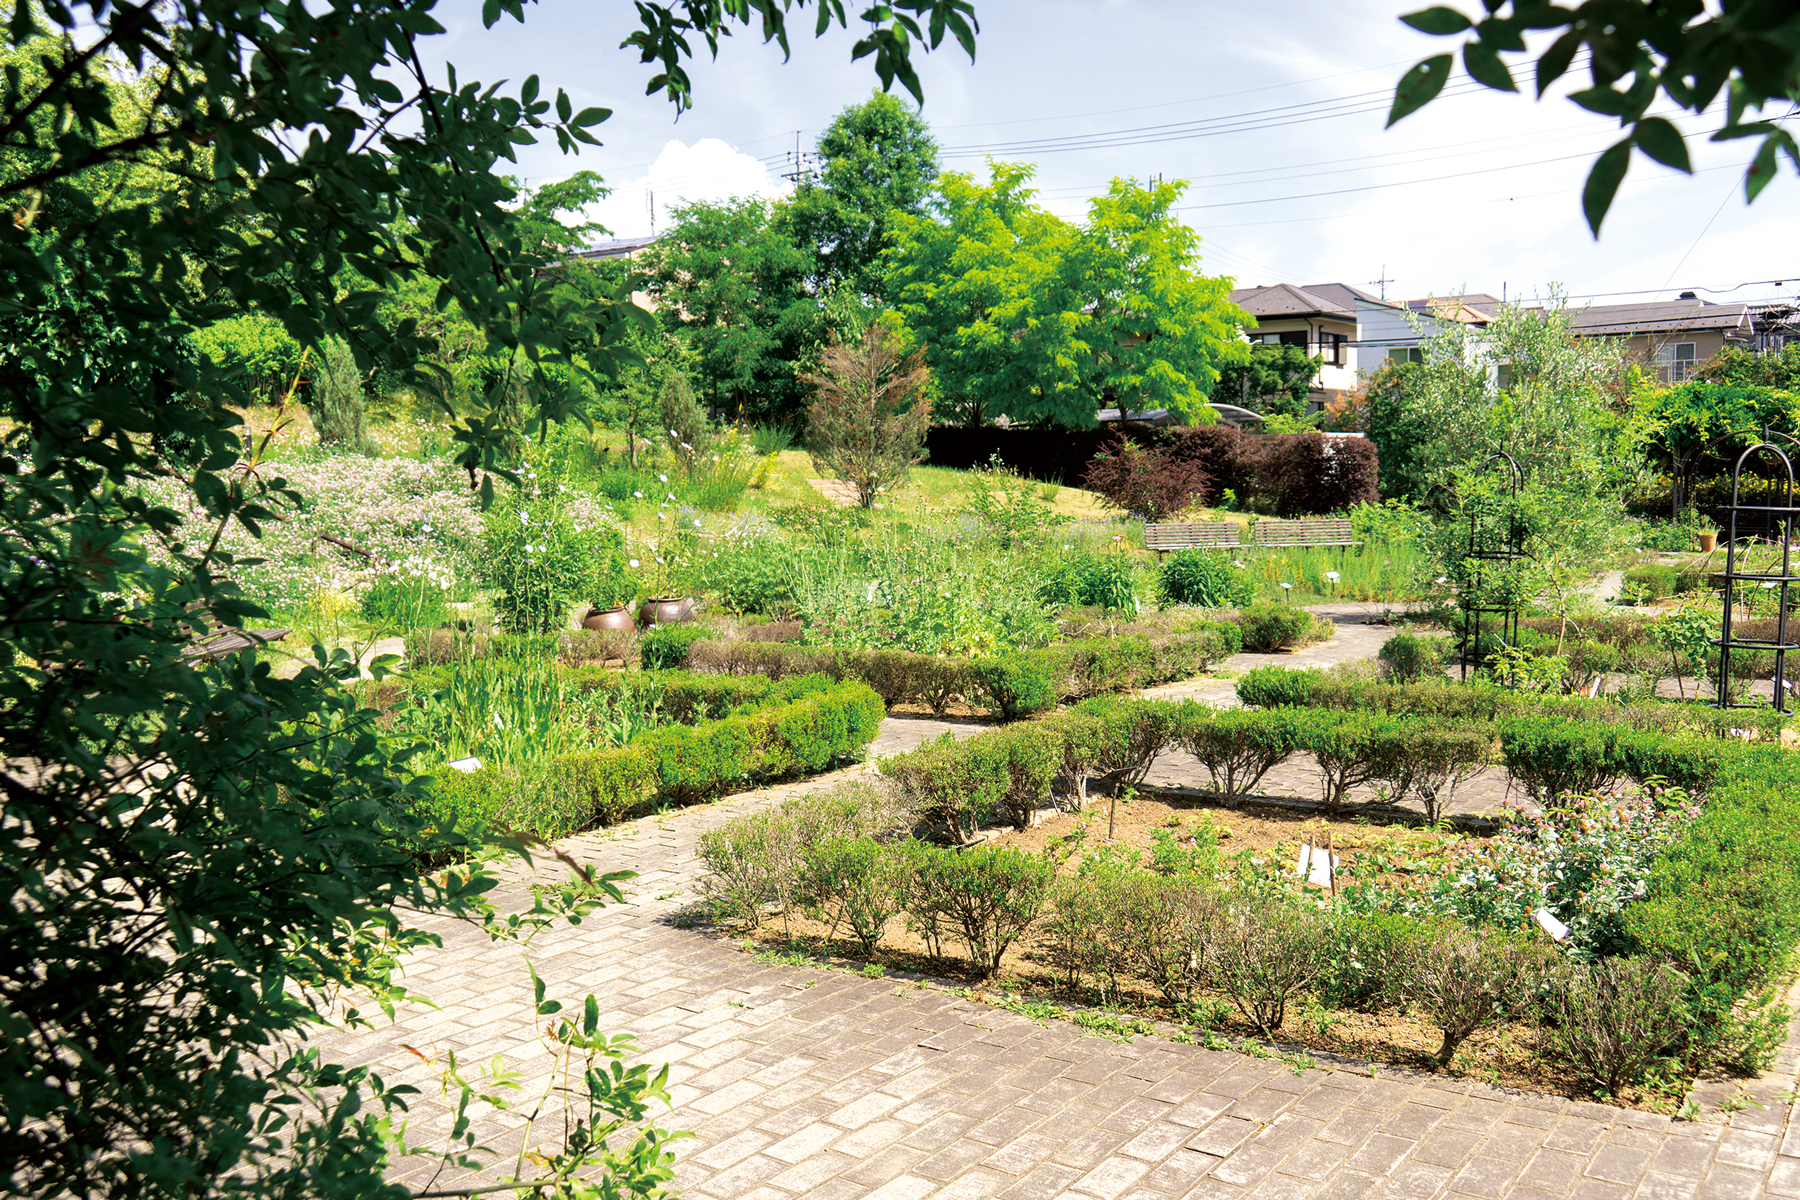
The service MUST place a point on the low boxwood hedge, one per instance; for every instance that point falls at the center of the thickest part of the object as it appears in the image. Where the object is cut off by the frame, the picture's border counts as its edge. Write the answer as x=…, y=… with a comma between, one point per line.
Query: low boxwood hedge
x=812, y=723
x=1012, y=685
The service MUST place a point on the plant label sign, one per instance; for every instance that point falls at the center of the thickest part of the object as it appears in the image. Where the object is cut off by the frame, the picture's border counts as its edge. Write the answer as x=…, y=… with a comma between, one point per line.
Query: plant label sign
x=1549, y=924
x=466, y=765
x=1316, y=864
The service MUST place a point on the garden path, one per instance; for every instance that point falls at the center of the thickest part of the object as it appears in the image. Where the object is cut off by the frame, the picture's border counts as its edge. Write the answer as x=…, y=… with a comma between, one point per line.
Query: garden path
x=808, y=1082
x=802, y=1081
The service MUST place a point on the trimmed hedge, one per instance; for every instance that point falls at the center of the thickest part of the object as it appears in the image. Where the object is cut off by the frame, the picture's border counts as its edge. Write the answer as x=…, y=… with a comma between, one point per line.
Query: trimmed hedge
x=1012, y=685
x=556, y=796
x=1279, y=687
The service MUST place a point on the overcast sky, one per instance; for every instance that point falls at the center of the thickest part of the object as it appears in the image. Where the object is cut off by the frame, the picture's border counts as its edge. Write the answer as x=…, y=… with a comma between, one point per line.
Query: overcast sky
x=1273, y=111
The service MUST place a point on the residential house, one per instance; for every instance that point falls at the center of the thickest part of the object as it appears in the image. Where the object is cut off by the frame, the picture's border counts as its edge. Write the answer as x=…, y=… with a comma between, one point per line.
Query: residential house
x=1321, y=325
x=1673, y=336
x=625, y=248
x=1356, y=333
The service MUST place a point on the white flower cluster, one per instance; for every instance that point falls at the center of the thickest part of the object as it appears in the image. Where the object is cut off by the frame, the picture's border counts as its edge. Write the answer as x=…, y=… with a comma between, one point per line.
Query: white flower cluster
x=406, y=514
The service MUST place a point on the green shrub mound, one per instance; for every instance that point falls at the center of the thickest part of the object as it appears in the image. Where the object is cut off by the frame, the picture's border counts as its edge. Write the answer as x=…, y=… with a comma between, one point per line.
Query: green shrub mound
x=1268, y=628
x=818, y=723
x=1205, y=578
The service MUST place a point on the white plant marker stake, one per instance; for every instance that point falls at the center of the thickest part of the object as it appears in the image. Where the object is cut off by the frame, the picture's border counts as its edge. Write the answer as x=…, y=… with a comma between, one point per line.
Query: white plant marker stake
x=1549, y=924
x=466, y=765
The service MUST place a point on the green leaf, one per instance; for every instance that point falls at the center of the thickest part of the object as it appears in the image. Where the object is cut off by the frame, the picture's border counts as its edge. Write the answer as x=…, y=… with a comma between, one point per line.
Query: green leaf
x=1420, y=86
x=590, y=1016
x=1554, y=61
x=1483, y=62
x=1438, y=20
x=590, y=116
x=1603, y=183
x=1604, y=101
x=1762, y=170
x=1663, y=142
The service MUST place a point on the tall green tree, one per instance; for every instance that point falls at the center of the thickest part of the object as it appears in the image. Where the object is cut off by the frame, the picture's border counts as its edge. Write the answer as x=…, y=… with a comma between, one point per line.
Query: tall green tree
x=1158, y=330
x=1025, y=315
x=985, y=282
x=203, y=858
x=876, y=159
x=731, y=278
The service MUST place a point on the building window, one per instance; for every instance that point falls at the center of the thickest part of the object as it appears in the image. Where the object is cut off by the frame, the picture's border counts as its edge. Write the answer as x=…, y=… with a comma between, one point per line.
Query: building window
x=1406, y=354
x=1293, y=337
x=1675, y=361
x=1331, y=348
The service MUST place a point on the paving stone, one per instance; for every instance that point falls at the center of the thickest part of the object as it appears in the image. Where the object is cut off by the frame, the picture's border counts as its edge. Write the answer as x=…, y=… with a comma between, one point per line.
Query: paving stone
x=1481, y=1176
x=1381, y=1154
x=1223, y=1136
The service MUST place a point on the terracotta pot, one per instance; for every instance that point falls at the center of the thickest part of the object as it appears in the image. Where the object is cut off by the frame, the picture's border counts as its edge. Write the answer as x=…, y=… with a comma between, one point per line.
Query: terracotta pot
x=618, y=618
x=665, y=610
x=1707, y=542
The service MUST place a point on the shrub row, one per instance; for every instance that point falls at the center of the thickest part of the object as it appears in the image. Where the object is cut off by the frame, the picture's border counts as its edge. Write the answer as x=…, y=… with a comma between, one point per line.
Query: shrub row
x=1002, y=775
x=556, y=796
x=1274, y=687
x=1174, y=930
x=1012, y=685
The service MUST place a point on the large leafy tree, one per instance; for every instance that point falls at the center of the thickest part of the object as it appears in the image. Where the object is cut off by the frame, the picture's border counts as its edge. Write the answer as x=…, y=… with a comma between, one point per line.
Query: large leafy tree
x=1638, y=51
x=197, y=855
x=1025, y=315
x=1698, y=419
x=876, y=159
x=984, y=282
x=732, y=279
x=1158, y=329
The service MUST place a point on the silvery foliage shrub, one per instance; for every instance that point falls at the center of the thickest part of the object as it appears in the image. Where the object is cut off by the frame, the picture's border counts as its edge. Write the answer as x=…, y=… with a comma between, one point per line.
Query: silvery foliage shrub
x=1584, y=859
x=417, y=516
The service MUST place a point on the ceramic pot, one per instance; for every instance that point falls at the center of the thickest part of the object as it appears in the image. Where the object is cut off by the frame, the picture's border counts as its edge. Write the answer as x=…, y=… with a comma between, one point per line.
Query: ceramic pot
x=1707, y=542
x=618, y=619
x=665, y=610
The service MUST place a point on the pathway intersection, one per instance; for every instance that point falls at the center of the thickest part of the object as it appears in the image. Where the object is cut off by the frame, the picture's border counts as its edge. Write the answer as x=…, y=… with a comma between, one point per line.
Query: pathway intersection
x=808, y=1082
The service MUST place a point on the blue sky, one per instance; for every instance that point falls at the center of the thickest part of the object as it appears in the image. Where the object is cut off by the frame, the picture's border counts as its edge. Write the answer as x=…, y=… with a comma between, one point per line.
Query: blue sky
x=1274, y=111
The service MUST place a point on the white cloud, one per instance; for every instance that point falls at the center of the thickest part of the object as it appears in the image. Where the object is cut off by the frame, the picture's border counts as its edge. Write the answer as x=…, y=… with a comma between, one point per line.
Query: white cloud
x=708, y=170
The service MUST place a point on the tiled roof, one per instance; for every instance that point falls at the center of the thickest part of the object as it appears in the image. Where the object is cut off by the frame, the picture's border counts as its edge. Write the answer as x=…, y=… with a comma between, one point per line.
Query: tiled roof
x=621, y=248
x=1286, y=300
x=1661, y=316
x=1345, y=295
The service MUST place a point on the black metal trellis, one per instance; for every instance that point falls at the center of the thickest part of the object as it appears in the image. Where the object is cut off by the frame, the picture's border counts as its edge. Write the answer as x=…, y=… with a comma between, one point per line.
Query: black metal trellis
x=1490, y=558
x=1775, y=521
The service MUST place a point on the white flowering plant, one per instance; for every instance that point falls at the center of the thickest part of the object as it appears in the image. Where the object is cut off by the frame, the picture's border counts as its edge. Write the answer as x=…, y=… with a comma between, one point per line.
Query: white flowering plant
x=549, y=548
x=1584, y=859
x=358, y=519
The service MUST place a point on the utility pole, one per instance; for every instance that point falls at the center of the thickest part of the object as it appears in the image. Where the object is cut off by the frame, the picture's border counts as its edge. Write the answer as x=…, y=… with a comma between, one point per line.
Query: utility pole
x=797, y=159
x=1382, y=282
x=652, y=197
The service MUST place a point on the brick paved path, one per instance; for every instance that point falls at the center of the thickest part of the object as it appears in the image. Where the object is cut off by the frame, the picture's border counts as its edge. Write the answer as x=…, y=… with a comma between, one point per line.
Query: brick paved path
x=805, y=1082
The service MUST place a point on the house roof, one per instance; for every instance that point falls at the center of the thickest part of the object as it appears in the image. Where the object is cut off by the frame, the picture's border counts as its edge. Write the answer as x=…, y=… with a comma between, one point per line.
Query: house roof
x=1344, y=294
x=619, y=248
x=1662, y=316
x=1286, y=300
x=1474, y=308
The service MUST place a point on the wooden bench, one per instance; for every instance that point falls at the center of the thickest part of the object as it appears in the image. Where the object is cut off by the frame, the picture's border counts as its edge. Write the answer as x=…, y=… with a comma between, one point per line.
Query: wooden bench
x=1307, y=531
x=1168, y=536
